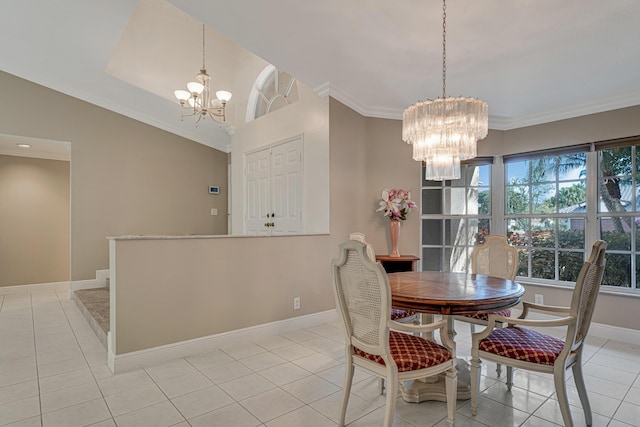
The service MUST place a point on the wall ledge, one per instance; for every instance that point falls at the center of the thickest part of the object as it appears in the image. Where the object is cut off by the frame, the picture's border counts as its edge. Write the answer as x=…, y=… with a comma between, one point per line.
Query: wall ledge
x=206, y=236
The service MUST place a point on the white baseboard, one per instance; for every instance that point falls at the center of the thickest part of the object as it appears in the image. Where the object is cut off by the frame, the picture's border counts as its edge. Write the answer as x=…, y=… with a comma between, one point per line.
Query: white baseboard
x=99, y=282
x=616, y=333
x=35, y=287
x=136, y=359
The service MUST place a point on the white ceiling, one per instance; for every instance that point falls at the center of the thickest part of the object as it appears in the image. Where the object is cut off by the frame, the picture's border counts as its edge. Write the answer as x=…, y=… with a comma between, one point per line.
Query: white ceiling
x=533, y=61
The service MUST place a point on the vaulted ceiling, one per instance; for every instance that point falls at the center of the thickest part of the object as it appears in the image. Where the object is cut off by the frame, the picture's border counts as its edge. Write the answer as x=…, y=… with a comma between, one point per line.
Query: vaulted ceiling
x=533, y=61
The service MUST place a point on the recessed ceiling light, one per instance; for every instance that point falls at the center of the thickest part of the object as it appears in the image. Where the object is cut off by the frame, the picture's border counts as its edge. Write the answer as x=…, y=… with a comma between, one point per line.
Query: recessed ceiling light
x=24, y=145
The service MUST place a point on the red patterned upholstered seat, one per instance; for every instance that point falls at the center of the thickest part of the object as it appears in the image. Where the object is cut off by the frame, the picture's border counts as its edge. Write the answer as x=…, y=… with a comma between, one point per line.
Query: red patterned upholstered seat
x=393, y=351
x=485, y=316
x=401, y=314
x=520, y=346
x=493, y=257
x=411, y=352
x=523, y=344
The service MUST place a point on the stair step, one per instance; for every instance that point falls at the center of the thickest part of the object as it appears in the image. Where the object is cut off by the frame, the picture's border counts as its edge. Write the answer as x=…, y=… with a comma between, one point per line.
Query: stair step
x=94, y=305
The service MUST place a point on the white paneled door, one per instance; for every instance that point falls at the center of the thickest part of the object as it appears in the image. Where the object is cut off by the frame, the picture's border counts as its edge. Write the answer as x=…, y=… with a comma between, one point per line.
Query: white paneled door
x=273, y=179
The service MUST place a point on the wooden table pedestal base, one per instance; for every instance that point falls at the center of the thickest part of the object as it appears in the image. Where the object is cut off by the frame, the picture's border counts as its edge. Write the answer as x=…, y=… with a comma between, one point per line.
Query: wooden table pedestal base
x=433, y=388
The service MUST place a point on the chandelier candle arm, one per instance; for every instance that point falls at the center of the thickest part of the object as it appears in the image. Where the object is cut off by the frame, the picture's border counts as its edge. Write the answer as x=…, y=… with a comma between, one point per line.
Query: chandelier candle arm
x=446, y=130
x=196, y=100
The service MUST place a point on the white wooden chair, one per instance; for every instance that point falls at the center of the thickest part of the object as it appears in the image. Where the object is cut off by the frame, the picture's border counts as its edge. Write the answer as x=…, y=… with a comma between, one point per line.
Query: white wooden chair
x=403, y=316
x=523, y=348
x=496, y=258
x=372, y=341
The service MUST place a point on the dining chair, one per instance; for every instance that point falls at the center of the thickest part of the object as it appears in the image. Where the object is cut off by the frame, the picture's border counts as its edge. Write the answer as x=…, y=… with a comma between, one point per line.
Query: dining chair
x=493, y=257
x=403, y=316
x=379, y=345
x=524, y=348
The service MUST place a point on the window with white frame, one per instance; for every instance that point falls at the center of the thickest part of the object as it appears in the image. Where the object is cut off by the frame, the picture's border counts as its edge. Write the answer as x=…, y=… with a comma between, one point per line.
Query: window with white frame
x=545, y=213
x=272, y=90
x=552, y=205
x=455, y=215
x=619, y=210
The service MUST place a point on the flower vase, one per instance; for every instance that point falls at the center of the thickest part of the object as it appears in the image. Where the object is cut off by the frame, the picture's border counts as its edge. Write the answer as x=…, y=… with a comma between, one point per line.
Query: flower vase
x=394, y=231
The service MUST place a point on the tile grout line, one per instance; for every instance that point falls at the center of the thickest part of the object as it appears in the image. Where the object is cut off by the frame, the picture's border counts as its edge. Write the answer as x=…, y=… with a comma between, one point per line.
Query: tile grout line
x=165, y=394
x=35, y=355
x=84, y=357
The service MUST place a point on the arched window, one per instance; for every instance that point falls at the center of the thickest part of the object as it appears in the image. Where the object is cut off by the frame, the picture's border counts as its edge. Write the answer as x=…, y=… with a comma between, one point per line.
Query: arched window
x=273, y=89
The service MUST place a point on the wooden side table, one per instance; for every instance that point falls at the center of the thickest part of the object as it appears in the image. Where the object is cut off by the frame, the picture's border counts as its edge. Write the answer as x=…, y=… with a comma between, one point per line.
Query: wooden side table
x=396, y=264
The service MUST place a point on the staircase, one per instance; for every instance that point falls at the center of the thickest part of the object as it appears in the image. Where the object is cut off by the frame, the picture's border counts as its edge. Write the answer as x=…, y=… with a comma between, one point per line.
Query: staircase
x=94, y=305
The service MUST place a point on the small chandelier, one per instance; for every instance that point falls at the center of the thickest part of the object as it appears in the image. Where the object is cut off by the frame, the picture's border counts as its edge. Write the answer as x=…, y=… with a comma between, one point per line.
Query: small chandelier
x=445, y=131
x=197, y=102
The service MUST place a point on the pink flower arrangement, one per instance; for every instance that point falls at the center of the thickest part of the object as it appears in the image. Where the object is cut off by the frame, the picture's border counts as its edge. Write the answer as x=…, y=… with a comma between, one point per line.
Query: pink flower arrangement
x=396, y=203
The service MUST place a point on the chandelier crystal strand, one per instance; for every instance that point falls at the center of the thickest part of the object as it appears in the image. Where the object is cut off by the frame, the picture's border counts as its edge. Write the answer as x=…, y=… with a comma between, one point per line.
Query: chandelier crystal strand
x=445, y=131
x=197, y=102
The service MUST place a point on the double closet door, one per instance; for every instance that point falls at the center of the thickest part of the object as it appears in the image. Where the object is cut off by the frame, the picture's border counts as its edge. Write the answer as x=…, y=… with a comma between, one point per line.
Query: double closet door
x=273, y=178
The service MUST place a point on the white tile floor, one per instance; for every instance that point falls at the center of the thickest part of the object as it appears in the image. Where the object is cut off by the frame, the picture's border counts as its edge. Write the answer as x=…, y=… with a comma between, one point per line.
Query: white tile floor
x=53, y=373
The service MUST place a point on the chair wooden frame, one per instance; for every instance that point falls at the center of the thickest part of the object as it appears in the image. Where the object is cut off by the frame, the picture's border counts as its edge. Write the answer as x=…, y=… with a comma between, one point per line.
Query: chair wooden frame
x=577, y=321
x=408, y=318
x=506, y=270
x=367, y=327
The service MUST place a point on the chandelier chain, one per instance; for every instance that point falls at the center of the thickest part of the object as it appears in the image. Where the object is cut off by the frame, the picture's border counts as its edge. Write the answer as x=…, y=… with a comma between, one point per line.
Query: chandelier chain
x=203, y=67
x=196, y=101
x=445, y=131
x=444, y=49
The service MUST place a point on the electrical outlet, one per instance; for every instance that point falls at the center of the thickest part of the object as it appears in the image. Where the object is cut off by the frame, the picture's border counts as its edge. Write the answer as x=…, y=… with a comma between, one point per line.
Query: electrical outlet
x=296, y=303
x=539, y=299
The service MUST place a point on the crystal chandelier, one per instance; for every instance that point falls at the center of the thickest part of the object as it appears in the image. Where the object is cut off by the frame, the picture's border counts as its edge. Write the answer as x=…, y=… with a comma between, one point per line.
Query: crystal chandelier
x=197, y=102
x=445, y=131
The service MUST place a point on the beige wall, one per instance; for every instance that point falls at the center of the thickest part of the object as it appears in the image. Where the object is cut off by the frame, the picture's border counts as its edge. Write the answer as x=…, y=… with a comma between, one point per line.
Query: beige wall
x=201, y=287
x=173, y=290
x=130, y=178
x=591, y=128
x=126, y=177
x=34, y=220
x=389, y=164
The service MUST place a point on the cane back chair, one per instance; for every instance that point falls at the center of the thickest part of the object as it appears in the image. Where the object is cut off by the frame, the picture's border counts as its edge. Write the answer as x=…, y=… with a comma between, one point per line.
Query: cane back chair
x=403, y=316
x=524, y=348
x=381, y=346
x=493, y=257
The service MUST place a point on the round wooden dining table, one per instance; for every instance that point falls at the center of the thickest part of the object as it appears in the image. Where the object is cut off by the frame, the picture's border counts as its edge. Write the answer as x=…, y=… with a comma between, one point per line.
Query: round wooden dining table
x=449, y=294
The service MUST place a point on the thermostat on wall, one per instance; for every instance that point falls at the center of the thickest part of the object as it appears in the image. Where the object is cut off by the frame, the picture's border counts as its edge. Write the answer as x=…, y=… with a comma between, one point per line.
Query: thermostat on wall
x=214, y=189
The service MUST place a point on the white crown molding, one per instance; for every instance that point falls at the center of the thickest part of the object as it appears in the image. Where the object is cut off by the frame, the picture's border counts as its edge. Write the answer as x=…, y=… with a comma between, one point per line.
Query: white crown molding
x=613, y=103
x=340, y=95
x=495, y=122
x=322, y=90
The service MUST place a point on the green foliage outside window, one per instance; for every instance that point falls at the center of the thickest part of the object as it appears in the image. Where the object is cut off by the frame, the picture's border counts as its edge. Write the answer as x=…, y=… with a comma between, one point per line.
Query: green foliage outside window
x=543, y=262
x=618, y=268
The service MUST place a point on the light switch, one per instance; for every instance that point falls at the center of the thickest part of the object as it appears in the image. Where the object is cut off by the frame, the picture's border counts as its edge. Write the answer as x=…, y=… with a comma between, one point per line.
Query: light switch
x=214, y=211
